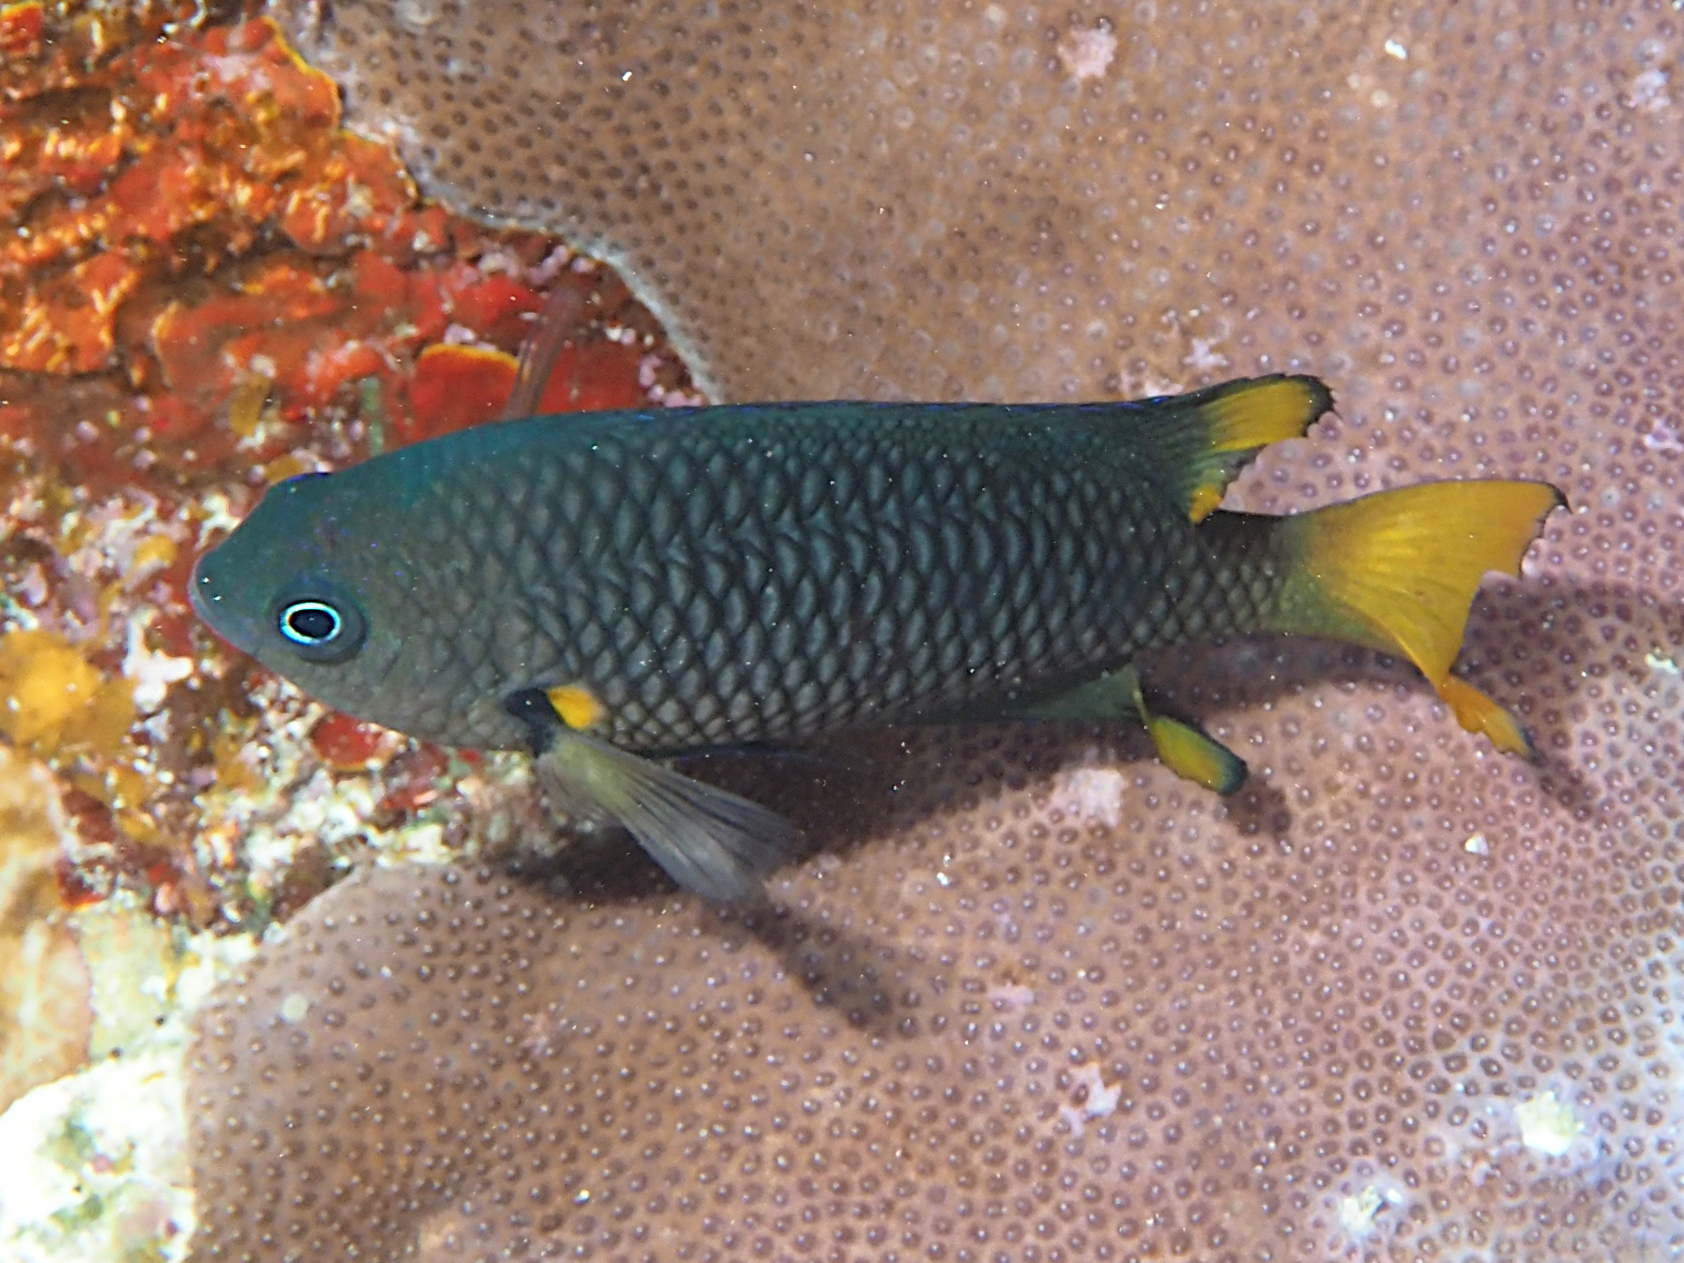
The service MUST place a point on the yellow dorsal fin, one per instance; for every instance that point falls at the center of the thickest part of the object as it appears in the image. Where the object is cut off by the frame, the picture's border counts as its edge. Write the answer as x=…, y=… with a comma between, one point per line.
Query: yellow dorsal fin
x=1205, y=438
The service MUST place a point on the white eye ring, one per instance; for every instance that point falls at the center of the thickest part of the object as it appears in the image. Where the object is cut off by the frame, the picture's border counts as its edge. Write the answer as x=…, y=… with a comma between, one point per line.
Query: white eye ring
x=319, y=620
x=336, y=623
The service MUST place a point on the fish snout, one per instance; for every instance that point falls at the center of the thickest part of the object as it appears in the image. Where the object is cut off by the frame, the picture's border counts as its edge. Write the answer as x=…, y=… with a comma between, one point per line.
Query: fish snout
x=203, y=592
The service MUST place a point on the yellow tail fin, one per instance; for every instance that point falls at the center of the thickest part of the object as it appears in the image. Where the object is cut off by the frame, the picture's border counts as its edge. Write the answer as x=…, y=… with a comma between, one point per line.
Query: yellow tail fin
x=1397, y=571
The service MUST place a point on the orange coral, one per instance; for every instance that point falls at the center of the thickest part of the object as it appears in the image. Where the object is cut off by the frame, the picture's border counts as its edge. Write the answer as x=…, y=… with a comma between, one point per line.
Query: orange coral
x=458, y=386
x=227, y=129
x=219, y=155
x=20, y=29
x=345, y=743
x=593, y=376
x=455, y=387
x=66, y=324
x=204, y=279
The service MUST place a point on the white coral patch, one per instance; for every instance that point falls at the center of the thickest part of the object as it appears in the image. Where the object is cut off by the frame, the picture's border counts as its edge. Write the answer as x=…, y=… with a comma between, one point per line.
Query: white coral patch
x=1547, y=1125
x=1095, y=793
x=217, y=513
x=1648, y=91
x=1099, y=1100
x=1357, y=1213
x=1088, y=54
x=151, y=671
x=113, y=533
x=1204, y=357
x=1011, y=996
x=1663, y=437
x=95, y=1165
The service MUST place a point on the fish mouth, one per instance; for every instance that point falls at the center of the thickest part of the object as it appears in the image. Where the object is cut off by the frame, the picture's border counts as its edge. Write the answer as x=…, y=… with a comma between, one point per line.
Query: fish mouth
x=202, y=594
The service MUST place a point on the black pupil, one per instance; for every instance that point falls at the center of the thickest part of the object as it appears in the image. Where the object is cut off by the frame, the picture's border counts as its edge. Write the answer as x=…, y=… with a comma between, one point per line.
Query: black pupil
x=312, y=623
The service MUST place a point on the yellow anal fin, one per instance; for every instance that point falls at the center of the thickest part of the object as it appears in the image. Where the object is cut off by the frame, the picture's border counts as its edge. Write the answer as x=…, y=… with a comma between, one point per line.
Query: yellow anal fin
x=1183, y=748
x=1398, y=570
x=1237, y=420
x=1477, y=712
x=1195, y=757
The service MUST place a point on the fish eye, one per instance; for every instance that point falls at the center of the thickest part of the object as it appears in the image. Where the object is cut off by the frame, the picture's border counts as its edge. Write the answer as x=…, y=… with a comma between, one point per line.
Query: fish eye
x=319, y=622
x=310, y=623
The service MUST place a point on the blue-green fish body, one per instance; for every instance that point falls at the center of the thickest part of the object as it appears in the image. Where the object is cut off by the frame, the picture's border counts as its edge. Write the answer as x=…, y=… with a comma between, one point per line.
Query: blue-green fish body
x=681, y=579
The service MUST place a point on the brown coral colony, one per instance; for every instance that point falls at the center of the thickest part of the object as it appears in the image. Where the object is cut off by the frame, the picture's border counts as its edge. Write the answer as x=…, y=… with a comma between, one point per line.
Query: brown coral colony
x=1035, y=999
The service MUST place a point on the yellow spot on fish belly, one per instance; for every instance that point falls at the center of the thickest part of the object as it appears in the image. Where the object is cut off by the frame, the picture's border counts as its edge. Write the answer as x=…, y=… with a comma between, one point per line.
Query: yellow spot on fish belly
x=577, y=706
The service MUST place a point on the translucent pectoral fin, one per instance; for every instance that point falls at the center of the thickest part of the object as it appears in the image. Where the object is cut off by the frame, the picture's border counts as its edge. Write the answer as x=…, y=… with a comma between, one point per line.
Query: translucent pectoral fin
x=569, y=807
x=709, y=840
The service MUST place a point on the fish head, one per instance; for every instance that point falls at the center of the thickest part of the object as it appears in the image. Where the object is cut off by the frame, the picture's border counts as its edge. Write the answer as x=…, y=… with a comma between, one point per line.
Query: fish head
x=302, y=587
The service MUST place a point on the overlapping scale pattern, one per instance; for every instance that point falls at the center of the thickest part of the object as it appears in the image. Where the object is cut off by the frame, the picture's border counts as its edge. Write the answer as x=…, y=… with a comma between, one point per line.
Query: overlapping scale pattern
x=769, y=577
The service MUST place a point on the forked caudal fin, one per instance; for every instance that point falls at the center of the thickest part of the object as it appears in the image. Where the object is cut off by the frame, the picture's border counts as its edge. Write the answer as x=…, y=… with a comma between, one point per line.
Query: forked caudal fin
x=1205, y=438
x=1397, y=571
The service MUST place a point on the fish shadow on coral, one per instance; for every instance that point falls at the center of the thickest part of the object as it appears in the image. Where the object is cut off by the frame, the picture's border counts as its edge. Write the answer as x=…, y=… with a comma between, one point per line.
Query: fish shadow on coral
x=867, y=787
x=1517, y=638
x=848, y=791
x=853, y=788
x=870, y=984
